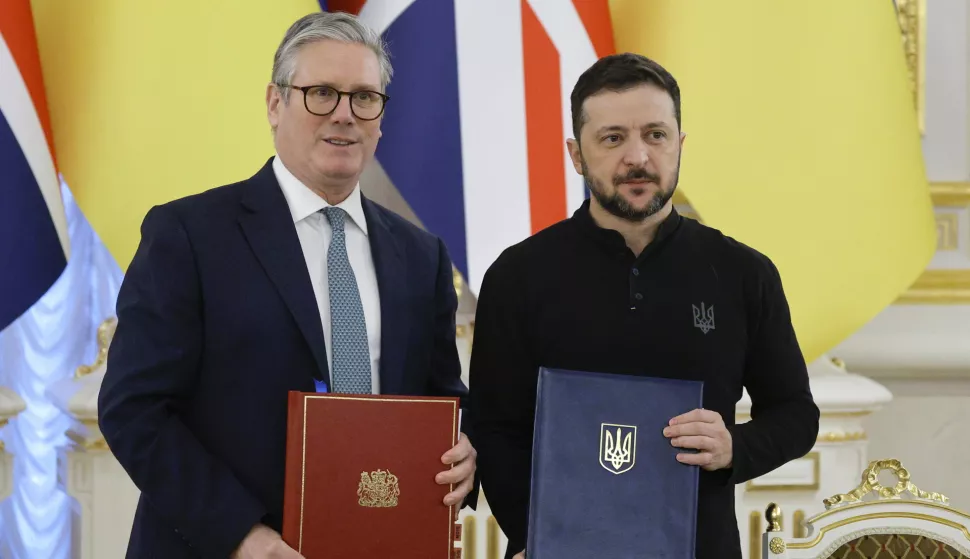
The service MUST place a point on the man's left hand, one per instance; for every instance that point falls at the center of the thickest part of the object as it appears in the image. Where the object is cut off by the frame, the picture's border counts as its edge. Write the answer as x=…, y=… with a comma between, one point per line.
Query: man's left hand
x=463, y=456
x=705, y=431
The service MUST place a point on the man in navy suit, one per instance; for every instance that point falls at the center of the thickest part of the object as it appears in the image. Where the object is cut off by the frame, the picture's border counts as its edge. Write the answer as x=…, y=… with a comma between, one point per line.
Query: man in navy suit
x=290, y=280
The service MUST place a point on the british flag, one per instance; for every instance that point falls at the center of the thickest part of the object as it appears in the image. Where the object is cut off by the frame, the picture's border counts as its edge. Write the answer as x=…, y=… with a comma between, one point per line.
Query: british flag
x=475, y=135
x=33, y=228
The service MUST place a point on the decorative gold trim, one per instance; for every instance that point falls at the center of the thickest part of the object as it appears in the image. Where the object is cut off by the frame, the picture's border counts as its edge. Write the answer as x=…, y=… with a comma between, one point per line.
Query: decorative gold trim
x=870, y=484
x=877, y=515
x=950, y=194
x=798, y=527
x=754, y=534
x=777, y=545
x=912, y=22
x=841, y=437
x=469, y=544
x=825, y=414
x=939, y=287
x=492, y=538
x=773, y=516
x=106, y=332
x=947, y=231
x=816, y=476
x=457, y=281
x=864, y=504
x=452, y=512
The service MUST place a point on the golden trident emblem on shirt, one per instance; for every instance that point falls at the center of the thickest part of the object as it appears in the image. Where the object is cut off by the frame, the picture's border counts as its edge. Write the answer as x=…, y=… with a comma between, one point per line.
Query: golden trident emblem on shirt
x=618, y=447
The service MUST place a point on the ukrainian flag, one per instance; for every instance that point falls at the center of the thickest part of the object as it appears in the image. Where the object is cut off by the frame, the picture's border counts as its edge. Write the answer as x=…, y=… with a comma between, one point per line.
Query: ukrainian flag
x=802, y=141
x=151, y=101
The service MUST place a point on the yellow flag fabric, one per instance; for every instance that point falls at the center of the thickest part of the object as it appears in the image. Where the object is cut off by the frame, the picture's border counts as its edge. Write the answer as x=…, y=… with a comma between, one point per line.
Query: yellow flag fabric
x=155, y=100
x=802, y=142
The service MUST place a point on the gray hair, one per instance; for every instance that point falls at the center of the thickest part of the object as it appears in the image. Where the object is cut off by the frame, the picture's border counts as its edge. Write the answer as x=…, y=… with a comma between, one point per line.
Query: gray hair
x=321, y=26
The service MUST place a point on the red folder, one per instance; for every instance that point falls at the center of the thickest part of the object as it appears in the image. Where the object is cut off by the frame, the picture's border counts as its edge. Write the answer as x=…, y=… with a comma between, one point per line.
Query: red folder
x=360, y=476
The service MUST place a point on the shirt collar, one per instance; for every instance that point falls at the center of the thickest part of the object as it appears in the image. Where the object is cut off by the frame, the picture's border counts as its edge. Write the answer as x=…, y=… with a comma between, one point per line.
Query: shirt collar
x=614, y=240
x=304, y=202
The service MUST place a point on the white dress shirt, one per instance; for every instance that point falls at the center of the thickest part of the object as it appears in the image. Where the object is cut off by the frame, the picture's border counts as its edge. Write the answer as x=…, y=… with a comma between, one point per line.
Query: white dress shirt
x=315, y=233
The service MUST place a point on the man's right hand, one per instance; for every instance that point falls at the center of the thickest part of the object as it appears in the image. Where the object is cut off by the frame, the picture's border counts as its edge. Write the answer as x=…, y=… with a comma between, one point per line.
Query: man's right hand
x=263, y=542
x=520, y=555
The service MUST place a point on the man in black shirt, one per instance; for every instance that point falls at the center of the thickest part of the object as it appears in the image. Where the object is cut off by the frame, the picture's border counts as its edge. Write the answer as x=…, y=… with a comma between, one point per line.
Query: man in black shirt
x=626, y=285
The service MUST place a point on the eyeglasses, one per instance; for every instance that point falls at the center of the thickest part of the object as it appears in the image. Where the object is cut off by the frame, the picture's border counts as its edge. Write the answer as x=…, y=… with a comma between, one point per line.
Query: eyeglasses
x=322, y=100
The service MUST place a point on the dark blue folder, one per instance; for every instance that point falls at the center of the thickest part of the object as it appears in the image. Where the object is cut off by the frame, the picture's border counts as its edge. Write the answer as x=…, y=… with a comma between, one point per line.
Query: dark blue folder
x=605, y=480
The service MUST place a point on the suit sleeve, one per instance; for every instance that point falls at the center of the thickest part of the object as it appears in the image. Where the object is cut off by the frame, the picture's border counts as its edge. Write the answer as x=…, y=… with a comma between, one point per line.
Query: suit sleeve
x=445, y=376
x=503, y=386
x=153, y=366
x=784, y=416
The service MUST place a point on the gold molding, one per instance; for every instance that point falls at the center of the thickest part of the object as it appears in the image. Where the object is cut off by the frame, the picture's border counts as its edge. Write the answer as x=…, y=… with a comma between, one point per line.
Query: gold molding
x=933, y=505
x=912, y=23
x=841, y=437
x=950, y=194
x=816, y=476
x=754, y=534
x=469, y=544
x=947, y=231
x=492, y=531
x=939, y=287
x=798, y=524
x=877, y=515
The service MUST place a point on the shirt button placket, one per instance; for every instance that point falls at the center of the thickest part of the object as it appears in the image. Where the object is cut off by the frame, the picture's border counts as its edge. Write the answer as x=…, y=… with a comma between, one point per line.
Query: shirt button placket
x=634, y=287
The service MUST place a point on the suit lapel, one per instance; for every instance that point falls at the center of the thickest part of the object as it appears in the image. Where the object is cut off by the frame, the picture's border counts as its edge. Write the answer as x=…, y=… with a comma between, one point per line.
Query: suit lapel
x=390, y=265
x=268, y=226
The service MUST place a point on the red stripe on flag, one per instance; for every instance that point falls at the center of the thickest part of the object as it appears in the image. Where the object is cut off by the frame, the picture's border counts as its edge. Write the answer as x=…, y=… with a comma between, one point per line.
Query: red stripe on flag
x=543, y=123
x=349, y=6
x=596, y=18
x=17, y=29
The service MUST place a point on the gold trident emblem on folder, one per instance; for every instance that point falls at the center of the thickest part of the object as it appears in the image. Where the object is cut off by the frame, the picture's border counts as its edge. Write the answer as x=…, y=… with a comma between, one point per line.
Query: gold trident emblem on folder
x=618, y=447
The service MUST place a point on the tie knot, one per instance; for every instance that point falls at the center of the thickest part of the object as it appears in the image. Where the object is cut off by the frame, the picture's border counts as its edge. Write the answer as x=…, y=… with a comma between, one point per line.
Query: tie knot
x=335, y=216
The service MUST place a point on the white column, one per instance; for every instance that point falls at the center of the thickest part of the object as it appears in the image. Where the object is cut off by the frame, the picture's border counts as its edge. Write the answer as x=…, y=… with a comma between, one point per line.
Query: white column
x=87, y=471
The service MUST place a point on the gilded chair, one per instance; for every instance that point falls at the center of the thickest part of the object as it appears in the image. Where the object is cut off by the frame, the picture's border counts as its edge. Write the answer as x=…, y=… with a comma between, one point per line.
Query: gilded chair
x=874, y=521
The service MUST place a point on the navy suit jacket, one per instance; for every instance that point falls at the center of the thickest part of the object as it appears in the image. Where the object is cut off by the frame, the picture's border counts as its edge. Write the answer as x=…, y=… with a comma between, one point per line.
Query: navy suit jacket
x=217, y=322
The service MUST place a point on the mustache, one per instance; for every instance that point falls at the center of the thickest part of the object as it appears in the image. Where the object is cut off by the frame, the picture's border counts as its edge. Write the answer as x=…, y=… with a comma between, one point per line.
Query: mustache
x=636, y=174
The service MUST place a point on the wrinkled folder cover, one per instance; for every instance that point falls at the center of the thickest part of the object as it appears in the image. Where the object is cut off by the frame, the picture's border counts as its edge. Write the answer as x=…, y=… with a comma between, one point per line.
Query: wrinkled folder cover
x=360, y=476
x=605, y=480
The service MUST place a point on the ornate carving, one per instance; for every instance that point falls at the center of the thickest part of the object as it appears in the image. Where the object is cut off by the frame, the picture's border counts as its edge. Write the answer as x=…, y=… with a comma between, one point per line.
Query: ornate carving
x=777, y=546
x=456, y=280
x=378, y=490
x=870, y=484
x=773, y=516
x=105, y=332
x=912, y=17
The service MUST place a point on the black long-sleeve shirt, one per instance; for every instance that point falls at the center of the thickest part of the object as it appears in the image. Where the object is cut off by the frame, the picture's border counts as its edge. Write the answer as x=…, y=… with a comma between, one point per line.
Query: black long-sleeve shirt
x=695, y=304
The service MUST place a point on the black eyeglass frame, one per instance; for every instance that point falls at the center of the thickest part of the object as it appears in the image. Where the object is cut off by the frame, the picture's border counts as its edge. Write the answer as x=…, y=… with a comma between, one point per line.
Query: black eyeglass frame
x=340, y=95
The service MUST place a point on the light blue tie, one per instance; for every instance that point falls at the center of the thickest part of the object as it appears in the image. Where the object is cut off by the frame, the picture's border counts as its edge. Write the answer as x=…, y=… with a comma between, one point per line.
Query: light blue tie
x=348, y=330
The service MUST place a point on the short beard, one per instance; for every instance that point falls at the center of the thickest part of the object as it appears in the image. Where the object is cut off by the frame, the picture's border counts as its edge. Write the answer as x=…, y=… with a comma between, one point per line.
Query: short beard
x=619, y=206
